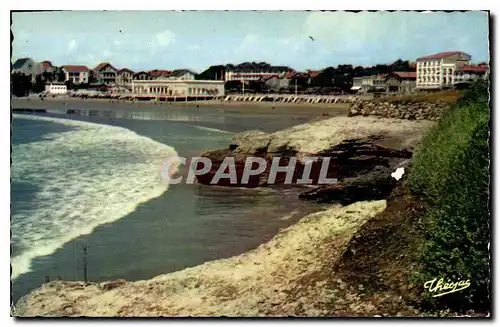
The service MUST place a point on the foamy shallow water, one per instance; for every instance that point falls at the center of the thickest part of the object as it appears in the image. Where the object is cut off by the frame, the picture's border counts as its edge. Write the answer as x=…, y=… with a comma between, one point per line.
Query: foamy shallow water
x=88, y=176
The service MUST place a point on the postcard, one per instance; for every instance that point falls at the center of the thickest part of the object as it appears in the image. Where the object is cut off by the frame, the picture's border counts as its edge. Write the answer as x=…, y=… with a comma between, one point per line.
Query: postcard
x=250, y=164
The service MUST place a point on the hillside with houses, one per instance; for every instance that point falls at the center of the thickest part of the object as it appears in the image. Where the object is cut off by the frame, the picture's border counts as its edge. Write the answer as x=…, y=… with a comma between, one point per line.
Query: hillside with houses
x=445, y=70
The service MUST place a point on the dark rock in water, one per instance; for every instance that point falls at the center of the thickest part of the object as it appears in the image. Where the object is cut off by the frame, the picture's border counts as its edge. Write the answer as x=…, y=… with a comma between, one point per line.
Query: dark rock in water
x=347, y=159
x=352, y=147
x=374, y=185
x=217, y=157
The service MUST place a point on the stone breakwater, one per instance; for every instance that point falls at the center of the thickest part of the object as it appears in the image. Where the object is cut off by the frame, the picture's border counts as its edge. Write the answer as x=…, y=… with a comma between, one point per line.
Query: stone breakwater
x=292, y=98
x=402, y=109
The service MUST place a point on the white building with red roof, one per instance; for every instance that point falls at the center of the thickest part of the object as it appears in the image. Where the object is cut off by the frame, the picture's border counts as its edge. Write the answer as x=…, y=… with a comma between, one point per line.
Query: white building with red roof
x=437, y=71
x=252, y=71
x=76, y=74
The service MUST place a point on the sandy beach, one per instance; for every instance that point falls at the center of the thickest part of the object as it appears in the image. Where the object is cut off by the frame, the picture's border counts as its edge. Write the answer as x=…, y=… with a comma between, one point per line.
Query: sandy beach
x=286, y=276
x=233, y=107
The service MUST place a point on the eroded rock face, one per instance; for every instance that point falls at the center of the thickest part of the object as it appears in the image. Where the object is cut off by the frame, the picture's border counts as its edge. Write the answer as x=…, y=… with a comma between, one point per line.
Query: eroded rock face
x=374, y=185
x=354, y=146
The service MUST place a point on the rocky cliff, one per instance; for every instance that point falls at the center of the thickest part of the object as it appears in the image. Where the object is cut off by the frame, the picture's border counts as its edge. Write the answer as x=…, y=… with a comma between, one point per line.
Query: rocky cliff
x=354, y=146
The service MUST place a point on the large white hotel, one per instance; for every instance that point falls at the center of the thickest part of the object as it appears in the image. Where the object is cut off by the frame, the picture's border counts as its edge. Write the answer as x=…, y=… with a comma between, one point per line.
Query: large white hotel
x=447, y=69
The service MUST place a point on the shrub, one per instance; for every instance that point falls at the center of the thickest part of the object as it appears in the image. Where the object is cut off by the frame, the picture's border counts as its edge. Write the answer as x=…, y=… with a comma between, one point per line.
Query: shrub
x=451, y=171
x=439, y=150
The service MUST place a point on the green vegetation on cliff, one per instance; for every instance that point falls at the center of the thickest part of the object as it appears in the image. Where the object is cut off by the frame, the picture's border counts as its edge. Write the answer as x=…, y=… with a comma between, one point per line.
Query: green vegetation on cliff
x=451, y=171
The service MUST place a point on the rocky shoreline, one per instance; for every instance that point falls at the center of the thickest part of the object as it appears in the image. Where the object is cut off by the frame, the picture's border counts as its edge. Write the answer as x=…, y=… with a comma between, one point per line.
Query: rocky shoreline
x=286, y=276
x=402, y=109
x=362, y=153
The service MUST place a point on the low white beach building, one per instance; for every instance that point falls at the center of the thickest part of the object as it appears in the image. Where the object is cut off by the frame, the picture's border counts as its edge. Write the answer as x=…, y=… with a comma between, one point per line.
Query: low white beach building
x=56, y=89
x=181, y=88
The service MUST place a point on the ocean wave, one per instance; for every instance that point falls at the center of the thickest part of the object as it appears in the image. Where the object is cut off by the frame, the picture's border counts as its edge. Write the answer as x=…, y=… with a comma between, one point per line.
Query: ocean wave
x=89, y=176
x=209, y=129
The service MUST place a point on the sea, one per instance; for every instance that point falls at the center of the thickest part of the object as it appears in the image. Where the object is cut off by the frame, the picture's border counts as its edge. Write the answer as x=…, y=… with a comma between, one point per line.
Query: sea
x=88, y=201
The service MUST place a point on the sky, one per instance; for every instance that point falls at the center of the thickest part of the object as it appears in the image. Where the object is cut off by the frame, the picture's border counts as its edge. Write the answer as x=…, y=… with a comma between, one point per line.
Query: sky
x=145, y=40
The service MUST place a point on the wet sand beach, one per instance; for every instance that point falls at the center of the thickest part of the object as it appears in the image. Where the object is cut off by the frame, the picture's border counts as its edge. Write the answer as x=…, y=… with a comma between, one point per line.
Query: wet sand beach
x=232, y=107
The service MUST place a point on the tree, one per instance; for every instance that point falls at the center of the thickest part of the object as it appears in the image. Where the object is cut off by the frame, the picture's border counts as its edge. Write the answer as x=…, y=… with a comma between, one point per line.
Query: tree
x=69, y=84
x=61, y=76
x=92, y=77
x=20, y=84
x=401, y=66
x=39, y=85
x=212, y=73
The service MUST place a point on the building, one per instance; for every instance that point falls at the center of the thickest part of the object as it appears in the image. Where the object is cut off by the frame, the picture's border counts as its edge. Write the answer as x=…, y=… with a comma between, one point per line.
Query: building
x=183, y=74
x=469, y=73
x=401, y=82
x=312, y=75
x=47, y=67
x=277, y=84
x=180, y=88
x=158, y=74
x=105, y=73
x=253, y=72
x=437, y=71
x=124, y=76
x=26, y=66
x=76, y=74
x=365, y=84
x=56, y=89
x=357, y=84
x=141, y=76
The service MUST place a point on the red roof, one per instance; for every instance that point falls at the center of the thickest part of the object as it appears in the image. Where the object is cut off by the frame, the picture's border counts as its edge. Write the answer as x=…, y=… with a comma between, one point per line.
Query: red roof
x=75, y=68
x=46, y=64
x=126, y=69
x=412, y=75
x=269, y=76
x=314, y=73
x=290, y=74
x=473, y=69
x=441, y=55
x=157, y=73
x=102, y=65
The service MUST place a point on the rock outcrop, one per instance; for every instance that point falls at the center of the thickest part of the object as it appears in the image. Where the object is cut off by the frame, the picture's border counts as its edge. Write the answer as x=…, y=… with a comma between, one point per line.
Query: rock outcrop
x=375, y=185
x=349, y=147
x=402, y=109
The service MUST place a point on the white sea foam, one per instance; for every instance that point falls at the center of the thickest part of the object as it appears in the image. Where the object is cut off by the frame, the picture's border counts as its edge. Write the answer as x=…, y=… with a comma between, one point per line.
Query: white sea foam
x=93, y=175
x=209, y=129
